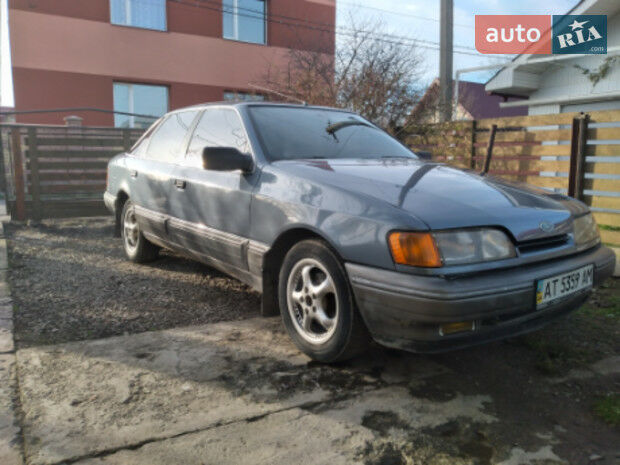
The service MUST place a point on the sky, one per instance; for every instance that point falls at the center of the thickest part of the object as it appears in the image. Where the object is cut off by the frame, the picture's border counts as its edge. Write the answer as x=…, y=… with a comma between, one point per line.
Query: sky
x=419, y=19
x=416, y=19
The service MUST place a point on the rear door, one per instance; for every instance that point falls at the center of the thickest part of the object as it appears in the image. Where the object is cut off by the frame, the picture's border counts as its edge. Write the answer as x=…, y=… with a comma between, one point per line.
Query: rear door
x=211, y=209
x=152, y=173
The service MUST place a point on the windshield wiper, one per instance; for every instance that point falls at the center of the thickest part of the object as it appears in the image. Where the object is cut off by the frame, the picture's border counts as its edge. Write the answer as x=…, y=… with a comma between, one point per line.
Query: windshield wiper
x=332, y=128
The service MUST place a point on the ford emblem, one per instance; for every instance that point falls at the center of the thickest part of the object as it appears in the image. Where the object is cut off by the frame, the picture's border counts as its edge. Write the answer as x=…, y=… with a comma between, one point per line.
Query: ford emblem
x=546, y=226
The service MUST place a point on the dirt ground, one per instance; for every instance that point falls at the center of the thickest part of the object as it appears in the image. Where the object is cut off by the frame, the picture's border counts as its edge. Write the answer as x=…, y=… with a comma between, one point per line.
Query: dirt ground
x=555, y=393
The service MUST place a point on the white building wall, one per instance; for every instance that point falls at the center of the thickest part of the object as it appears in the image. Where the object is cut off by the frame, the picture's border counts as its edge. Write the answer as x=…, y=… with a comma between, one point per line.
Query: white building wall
x=563, y=80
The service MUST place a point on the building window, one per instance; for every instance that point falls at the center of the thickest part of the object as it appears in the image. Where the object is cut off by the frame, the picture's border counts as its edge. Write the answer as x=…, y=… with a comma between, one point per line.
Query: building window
x=243, y=97
x=244, y=20
x=147, y=14
x=140, y=99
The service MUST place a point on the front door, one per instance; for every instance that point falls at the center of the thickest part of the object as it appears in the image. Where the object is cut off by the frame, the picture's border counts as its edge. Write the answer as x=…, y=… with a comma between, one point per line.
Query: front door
x=211, y=209
x=152, y=172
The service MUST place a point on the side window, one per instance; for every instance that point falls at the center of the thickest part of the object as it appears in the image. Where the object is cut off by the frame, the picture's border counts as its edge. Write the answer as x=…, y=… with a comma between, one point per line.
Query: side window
x=139, y=149
x=166, y=144
x=217, y=128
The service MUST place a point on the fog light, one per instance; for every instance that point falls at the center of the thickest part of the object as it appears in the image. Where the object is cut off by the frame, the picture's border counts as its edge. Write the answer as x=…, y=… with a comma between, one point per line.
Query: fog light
x=459, y=327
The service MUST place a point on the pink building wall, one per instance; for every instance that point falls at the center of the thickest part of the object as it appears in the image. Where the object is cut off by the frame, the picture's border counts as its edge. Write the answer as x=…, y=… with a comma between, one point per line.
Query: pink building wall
x=65, y=53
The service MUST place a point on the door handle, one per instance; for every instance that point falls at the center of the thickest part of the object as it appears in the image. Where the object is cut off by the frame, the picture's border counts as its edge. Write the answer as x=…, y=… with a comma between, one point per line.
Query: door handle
x=133, y=173
x=179, y=183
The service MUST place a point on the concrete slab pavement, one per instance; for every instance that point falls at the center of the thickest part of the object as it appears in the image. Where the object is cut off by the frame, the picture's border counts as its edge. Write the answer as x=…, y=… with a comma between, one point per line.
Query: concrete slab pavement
x=10, y=448
x=10, y=440
x=236, y=392
x=291, y=437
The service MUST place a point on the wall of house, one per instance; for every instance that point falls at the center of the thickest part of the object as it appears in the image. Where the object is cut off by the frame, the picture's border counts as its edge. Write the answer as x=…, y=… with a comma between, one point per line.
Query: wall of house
x=65, y=53
x=72, y=90
x=563, y=80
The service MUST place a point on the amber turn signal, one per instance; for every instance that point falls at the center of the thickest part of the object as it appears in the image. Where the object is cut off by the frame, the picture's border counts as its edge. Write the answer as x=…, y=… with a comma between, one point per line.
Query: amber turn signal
x=414, y=249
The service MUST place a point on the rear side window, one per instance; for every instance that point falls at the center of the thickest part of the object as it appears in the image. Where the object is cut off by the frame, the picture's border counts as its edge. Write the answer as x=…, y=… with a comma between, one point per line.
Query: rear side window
x=218, y=127
x=139, y=149
x=168, y=141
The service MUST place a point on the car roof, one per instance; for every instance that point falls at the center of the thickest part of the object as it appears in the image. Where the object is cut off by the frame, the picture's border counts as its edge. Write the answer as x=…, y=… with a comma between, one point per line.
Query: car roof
x=201, y=106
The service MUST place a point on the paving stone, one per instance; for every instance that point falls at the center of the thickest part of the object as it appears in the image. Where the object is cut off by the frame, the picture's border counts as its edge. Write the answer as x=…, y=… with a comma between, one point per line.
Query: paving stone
x=7, y=324
x=6, y=311
x=6, y=336
x=5, y=291
x=4, y=260
x=10, y=452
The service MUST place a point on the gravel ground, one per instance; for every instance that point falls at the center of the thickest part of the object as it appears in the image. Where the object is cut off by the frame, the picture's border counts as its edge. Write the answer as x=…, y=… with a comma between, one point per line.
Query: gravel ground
x=71, y=281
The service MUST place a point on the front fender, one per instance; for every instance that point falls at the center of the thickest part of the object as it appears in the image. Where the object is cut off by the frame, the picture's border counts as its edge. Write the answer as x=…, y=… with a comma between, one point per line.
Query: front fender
x=355, y=225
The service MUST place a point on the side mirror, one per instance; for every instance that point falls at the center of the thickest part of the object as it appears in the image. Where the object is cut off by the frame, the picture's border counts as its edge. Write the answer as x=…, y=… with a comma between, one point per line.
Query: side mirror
x=226, y=159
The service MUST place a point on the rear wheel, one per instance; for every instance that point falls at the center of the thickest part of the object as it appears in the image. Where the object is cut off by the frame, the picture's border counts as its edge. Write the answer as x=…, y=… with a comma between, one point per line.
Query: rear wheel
x=317, y=304
x=137, y=248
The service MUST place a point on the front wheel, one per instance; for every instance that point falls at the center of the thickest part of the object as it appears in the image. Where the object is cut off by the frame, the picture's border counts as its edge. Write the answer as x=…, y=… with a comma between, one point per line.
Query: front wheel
x=317, y=304
x=137, y=248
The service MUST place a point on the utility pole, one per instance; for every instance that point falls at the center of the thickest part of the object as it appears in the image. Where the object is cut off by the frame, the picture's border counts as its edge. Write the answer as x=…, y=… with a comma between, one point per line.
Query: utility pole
x=445, y=60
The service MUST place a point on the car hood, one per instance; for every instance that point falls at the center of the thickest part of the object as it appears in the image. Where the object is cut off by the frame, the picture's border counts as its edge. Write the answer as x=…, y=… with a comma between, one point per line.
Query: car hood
x=445, y=197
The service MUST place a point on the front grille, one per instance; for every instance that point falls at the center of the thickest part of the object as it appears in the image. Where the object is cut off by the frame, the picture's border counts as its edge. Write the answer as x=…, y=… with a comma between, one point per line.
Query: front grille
x=536, y=245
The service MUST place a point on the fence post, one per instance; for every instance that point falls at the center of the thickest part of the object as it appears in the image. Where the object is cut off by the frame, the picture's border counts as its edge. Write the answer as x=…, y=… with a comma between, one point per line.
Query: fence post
x=35, y=185
x=472, y=152
x=578, y=144
x=126, y=140
x=487, y=160
x=3, y=186
x=18, y=171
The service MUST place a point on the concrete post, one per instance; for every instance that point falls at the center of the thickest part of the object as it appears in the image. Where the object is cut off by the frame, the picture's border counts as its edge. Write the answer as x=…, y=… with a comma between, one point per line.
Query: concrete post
x=445, y=60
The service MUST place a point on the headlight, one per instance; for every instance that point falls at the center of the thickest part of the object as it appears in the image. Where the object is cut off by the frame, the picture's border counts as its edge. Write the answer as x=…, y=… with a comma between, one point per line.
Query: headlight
x=586, y=231
x=450, y=247
x=473, y=246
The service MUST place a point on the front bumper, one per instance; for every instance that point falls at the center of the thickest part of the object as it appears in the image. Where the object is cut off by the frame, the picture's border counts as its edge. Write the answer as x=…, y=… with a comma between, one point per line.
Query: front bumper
x=110, y=202
x=405, y=311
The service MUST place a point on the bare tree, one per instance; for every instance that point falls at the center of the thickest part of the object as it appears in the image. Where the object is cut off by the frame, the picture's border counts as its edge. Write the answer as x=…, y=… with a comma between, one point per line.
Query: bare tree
x=370, y=73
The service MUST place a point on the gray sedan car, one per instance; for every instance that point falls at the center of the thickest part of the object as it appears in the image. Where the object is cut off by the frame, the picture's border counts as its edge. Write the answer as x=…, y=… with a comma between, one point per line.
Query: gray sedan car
x=347, y=234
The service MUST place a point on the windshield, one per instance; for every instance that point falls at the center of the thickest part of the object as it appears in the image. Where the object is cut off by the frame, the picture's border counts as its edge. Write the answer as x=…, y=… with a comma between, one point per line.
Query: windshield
x=293, y=133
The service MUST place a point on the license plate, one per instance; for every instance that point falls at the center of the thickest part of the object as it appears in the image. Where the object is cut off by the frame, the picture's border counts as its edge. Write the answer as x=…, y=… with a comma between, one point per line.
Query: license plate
x=563, y=285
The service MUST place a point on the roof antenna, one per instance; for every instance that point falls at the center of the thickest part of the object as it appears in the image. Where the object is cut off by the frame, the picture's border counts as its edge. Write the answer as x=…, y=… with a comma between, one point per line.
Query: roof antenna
x=271, y=91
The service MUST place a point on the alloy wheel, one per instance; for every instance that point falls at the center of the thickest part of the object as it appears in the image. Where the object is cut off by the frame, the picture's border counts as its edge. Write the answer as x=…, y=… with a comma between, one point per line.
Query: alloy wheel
x=312, y=302
x=131, y=231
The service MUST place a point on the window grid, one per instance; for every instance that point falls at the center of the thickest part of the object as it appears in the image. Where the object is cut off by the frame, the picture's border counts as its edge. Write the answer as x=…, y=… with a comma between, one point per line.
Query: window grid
x=130, y=105
x=234, y=13
x=145, y=14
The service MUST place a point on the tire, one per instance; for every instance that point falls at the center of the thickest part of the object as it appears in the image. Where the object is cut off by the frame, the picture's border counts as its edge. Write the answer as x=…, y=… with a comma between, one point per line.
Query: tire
x=317, y=304
x=137, y=248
